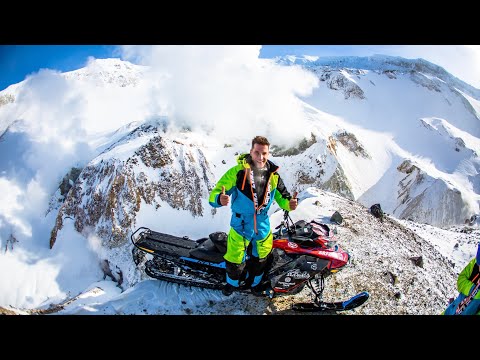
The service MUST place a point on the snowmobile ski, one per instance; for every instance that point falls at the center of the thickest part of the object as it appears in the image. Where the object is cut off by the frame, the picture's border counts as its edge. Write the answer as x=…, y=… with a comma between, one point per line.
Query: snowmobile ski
x=349, y=304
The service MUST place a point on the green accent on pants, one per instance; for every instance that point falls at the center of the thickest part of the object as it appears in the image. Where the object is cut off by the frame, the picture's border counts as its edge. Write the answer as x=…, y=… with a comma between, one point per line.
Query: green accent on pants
x=237, y=244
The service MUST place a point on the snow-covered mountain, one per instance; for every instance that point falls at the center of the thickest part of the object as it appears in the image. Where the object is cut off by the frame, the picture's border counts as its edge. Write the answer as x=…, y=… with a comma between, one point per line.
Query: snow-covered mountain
x=428, y=168
x=102, y=72
x=402, y=133
x=426, y=120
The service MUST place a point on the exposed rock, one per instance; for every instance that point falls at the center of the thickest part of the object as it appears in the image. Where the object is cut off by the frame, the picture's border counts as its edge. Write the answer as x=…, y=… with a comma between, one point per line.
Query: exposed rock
x=430, y=83
x=300, y=148
x=351, y=142
x=338, y=184
x=417, y=260
x=9, y=245
x=336, y=218
x=4, y=311
x=434, y=202
x=391, y=74
x=108, y=194
x=6, y=99
x=338, y=81
x=68, y=180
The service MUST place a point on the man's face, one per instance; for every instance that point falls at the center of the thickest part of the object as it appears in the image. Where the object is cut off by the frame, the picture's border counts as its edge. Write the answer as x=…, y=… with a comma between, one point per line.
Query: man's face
x=259, y=155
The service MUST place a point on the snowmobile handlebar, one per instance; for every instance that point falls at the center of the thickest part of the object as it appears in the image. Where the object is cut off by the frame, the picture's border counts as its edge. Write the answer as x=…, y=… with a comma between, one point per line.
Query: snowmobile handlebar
x=288, y=224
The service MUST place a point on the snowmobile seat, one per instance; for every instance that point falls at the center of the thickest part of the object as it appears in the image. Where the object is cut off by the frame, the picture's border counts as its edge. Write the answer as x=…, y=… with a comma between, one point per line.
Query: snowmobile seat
x=207, y=251
x=219, y=238
x=201, y=241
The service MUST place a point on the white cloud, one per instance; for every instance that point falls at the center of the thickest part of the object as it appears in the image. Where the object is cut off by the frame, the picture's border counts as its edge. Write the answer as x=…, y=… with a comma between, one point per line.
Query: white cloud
x=226, y=88
x=39, y=274
x=10, y=208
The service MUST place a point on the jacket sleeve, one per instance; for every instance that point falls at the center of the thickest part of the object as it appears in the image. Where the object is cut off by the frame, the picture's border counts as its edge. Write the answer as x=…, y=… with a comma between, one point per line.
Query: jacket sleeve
x=229, y=180
x=282, y=196
x=464, y=284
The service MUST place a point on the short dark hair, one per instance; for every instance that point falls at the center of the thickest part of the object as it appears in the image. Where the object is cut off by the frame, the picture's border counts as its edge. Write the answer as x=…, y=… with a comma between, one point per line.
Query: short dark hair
x=260, y=140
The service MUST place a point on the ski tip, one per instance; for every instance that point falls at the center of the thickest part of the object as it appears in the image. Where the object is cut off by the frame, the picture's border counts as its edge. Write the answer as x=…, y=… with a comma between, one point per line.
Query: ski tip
x=356, y=300
x=350, y=304
x=363, y=294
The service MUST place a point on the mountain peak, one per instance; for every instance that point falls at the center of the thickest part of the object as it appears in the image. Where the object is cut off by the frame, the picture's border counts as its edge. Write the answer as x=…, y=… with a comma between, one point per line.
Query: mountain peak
x=384, y=63
x=108, y=71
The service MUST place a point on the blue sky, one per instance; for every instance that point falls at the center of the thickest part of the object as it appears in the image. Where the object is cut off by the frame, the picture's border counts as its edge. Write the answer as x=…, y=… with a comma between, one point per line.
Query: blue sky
x=18, y=61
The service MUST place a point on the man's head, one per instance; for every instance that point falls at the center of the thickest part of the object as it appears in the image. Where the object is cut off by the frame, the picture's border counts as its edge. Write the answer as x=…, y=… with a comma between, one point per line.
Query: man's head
x=259, y=151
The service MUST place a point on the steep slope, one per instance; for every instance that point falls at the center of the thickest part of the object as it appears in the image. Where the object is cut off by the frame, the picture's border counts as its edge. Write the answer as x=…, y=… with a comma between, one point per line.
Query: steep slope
x=363, y=95
x=144, y=168
x=403, y=272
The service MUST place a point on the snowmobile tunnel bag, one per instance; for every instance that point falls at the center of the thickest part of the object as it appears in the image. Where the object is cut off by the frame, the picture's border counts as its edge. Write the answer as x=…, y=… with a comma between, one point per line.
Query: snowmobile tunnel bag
x=219, y=238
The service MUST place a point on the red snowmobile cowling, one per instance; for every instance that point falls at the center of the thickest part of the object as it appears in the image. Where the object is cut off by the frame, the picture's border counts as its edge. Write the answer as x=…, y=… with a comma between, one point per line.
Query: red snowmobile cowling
x=310, y=238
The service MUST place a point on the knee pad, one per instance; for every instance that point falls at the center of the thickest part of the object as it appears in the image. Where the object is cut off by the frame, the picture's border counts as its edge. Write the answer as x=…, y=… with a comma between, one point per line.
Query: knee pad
x=233, y=270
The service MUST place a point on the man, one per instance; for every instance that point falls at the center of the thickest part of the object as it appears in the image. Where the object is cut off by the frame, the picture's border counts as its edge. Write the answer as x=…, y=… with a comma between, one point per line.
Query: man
x=251, y=186
x=468, y=286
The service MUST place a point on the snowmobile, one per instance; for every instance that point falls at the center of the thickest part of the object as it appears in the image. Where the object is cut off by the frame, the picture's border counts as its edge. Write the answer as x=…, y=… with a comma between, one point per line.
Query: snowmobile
x=303, y=254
